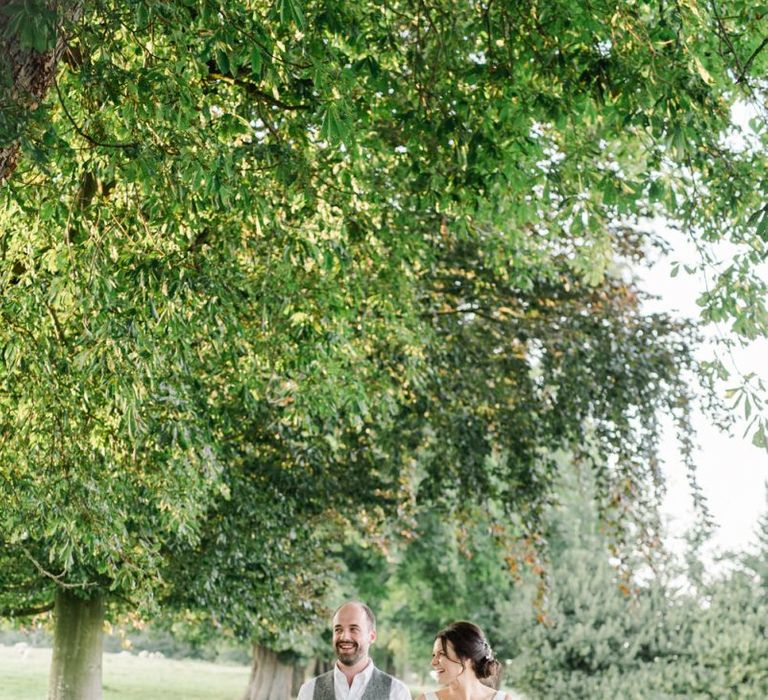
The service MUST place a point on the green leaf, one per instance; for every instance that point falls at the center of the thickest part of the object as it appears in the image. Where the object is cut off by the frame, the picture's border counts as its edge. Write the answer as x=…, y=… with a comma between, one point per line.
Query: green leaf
x=759, y=438
x=256, y=62
x=333, y=128
x=762, y=227
x=222, y=60
x=291, y=11
x=142, y=14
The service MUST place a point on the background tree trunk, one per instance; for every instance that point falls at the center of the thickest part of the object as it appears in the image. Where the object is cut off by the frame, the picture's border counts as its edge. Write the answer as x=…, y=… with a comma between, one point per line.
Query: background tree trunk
x=298, y=675
x=30, y=75
x=77, y=647
x=270, y=678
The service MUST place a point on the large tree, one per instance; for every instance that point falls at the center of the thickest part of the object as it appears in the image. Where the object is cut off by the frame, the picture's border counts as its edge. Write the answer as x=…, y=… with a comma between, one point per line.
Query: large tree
x=231, y=204
x=476, y=430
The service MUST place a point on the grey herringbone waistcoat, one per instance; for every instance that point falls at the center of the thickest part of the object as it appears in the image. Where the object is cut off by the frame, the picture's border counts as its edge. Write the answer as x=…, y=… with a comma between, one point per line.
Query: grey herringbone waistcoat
x=377, y=688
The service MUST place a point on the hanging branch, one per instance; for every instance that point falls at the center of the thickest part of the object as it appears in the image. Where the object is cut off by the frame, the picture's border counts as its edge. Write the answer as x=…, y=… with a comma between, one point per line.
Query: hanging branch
x=28, y=611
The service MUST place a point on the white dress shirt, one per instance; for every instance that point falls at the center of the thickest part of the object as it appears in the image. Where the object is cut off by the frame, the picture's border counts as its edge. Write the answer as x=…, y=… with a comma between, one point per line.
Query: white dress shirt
x=397, y=691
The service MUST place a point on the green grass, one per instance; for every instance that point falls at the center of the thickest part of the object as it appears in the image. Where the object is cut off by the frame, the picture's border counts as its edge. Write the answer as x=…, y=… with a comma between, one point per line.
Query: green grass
x=25, y=677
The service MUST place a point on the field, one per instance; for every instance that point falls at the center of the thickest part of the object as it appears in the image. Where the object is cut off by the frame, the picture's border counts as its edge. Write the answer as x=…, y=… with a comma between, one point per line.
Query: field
x=24, y=674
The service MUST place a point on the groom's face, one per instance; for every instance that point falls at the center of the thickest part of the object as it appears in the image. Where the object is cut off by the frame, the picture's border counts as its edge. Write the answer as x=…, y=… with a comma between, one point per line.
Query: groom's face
x=352, y=634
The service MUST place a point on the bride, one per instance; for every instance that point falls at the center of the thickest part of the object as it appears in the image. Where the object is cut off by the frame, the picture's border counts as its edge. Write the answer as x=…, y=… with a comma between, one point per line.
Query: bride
x=462, y=659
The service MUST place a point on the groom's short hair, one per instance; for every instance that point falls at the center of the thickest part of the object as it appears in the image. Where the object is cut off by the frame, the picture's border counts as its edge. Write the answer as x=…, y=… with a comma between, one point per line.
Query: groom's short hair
x=368, y=612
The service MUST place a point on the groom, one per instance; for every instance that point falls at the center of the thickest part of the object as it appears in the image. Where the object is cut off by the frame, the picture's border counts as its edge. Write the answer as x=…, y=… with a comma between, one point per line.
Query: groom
x=354, y=677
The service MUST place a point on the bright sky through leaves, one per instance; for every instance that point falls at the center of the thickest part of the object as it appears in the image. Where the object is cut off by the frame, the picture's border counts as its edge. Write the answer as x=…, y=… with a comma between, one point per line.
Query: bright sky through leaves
x=731, y=470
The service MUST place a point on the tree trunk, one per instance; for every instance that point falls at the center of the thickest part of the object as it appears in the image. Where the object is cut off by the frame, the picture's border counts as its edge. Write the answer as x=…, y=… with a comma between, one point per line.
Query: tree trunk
x=298, y=676
x=76, y=663
x=270, y=677
x=29, y=75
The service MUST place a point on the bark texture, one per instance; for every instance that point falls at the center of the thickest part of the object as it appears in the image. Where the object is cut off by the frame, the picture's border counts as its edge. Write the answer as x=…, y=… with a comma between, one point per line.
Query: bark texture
x=298, y=676
x=77, y=648
x=271, y=679
x=25, y=78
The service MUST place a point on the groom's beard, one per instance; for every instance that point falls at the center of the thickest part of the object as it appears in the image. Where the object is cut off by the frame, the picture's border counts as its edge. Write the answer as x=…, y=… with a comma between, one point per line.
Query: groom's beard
x=350, y=657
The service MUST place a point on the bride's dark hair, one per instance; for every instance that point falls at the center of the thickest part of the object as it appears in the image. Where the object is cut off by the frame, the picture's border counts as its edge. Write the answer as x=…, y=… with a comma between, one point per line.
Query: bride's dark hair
x=470, y=644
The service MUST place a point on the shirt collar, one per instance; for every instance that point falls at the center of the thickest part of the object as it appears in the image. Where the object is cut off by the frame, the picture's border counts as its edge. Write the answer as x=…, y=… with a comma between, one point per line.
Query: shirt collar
x=364, y=675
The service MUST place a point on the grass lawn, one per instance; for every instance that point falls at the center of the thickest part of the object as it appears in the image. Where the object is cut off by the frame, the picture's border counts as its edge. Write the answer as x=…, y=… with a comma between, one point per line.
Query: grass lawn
x=24, y=676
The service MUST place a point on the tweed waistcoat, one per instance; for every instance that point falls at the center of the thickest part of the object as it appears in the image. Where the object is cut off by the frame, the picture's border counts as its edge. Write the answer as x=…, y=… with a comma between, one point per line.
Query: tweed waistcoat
x=377, y=688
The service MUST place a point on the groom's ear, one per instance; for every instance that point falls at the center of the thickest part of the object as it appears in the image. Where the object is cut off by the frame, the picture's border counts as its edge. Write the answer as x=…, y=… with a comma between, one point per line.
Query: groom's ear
x=373, y=635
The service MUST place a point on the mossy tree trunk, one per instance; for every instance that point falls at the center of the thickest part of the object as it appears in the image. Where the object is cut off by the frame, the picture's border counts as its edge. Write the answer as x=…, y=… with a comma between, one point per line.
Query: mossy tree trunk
x=28, y=72
x=270, y=677
x=77, y=647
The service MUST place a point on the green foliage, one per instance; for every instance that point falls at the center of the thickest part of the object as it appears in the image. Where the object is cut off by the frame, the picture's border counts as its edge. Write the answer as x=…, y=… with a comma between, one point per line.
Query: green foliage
x=600, y=629
x=604, y=634
x=445, y=566
x=268, y=264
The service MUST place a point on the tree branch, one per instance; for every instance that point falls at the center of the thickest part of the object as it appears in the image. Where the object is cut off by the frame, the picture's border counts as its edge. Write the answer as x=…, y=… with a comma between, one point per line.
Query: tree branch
x=54, y=577
x=251, y=89
x=26, y=612
x=56, y=325
x=745, y=69
x=723, y=32
x=76, y=127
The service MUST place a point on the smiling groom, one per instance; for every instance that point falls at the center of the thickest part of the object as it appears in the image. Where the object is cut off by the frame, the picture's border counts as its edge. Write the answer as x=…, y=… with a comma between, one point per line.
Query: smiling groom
x=354, y=677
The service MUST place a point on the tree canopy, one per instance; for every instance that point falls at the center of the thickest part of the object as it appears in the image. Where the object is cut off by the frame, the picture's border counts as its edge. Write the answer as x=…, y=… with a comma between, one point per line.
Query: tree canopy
x=262, y=257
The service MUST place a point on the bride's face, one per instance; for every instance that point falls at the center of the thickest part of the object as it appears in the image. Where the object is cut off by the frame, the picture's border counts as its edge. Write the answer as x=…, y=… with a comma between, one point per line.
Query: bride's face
x=447, y=666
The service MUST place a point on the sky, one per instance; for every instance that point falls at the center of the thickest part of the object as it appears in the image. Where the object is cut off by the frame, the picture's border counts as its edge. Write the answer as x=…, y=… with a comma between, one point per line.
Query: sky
x=731, y=471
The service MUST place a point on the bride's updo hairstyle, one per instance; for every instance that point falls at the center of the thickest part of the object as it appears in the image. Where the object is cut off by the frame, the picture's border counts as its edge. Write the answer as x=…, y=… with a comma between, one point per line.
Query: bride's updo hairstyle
x=470, y=644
